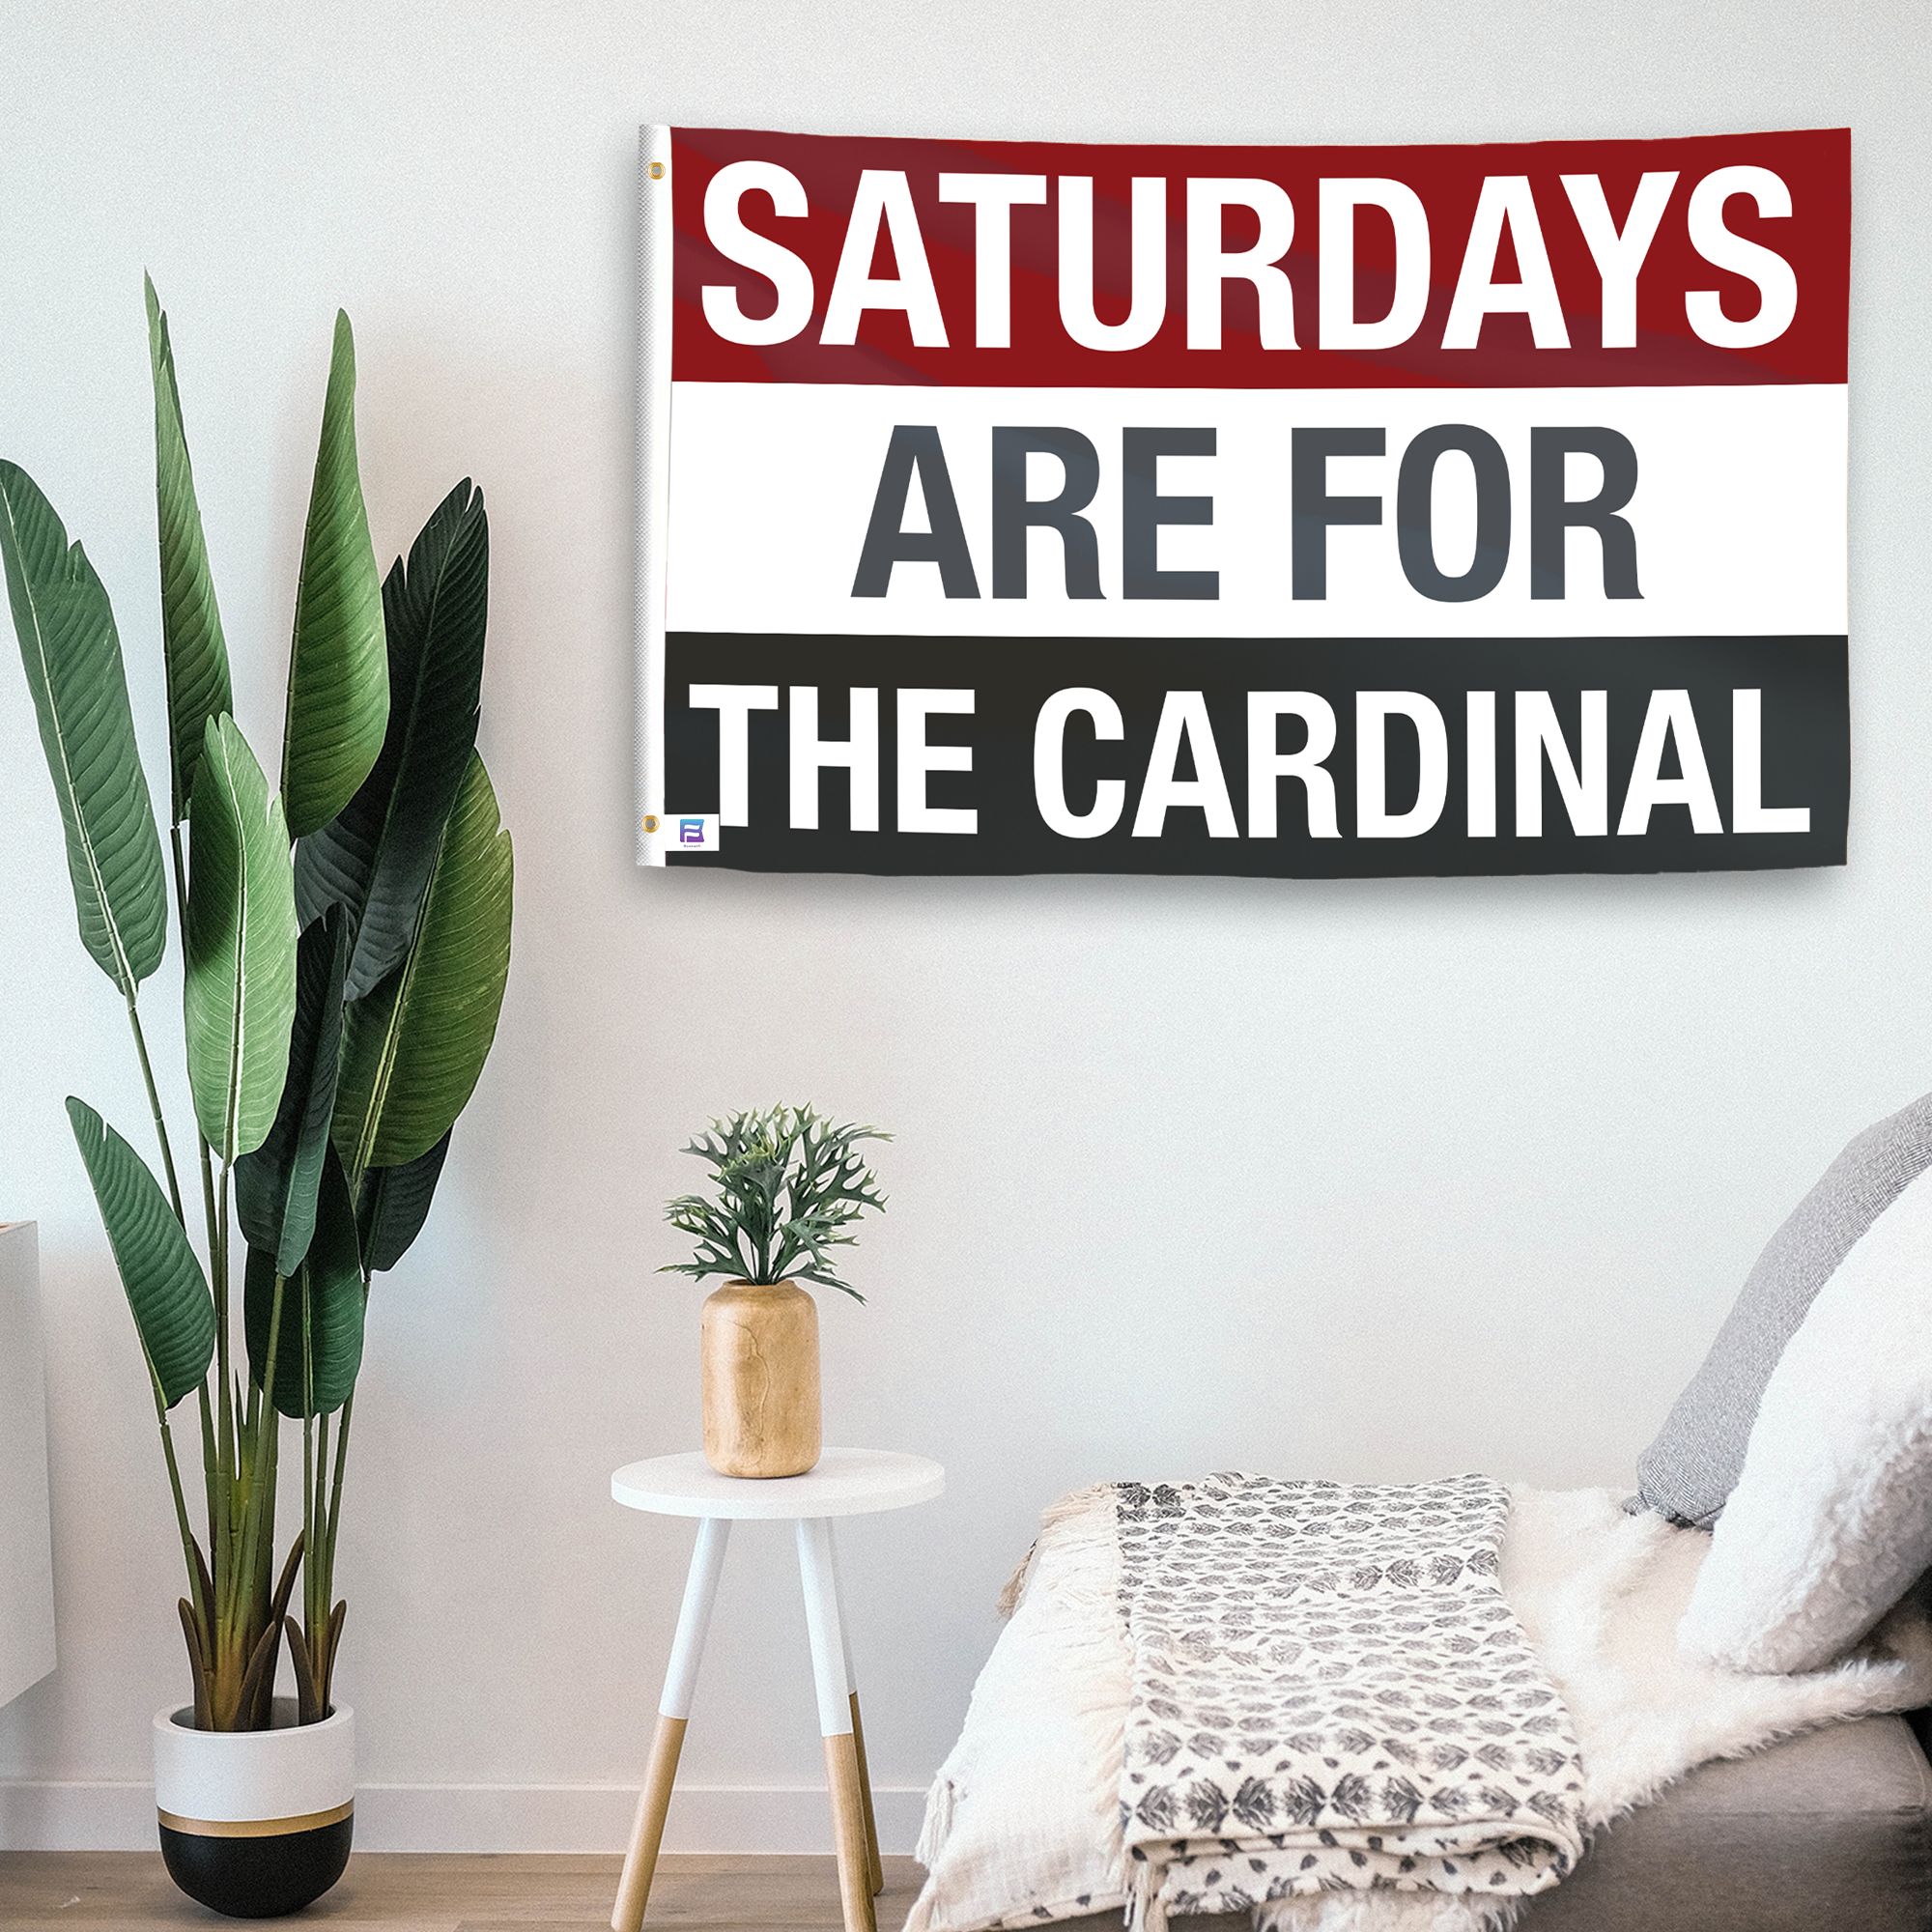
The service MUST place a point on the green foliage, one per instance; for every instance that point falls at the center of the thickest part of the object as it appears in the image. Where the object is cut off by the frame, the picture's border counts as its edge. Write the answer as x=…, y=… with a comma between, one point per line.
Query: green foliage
x=193, y=650
x=72, y=652
x=165, y=1287
x=338, y=707
x=319, y=1339
x=393, y=1205
x=275, y=1187
x=238, y=987
x=412, y=1050
x=789, y=1188
x=391, y=996
x=376, y=858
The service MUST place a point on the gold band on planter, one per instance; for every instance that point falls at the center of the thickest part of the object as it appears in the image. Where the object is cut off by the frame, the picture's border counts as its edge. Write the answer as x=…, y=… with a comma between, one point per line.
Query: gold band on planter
x=255, y=1828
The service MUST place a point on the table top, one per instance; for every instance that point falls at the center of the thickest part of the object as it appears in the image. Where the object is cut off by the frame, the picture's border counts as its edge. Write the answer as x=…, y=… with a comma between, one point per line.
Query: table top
x=846, y=1481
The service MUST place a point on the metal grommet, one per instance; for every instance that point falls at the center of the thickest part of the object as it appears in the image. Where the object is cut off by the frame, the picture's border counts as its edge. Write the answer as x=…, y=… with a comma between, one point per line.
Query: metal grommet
x=657, y=171
x=650, y=822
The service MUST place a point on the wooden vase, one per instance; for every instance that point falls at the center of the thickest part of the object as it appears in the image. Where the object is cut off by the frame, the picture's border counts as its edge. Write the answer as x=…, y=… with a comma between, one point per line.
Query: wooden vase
x=760, y=1349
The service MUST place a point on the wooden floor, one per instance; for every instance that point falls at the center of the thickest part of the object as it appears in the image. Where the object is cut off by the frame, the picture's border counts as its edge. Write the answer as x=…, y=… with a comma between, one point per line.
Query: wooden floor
x=102, y=1892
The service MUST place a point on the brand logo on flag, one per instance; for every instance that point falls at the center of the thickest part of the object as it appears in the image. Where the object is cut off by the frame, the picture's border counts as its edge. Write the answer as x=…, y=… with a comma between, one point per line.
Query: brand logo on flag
x=693, y=831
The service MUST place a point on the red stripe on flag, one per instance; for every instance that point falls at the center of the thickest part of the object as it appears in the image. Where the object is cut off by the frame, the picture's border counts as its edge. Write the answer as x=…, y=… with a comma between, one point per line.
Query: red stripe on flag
x=1815, y=165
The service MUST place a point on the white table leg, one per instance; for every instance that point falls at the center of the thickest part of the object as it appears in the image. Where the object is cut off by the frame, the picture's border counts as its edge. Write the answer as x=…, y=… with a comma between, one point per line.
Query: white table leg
x=693, y=1619
x=818, y=1576
x=875, y=1862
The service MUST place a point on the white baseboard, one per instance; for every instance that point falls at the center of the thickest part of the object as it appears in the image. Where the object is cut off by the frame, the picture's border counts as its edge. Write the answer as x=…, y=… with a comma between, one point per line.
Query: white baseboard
x=100, y=1817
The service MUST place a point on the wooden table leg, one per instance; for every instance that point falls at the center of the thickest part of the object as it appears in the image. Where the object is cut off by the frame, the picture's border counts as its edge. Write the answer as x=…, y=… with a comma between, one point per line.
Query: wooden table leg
x=848, y=1830
x=877, y=1864
x=818, y=1579
x=640, y=1860
x=700, y=1591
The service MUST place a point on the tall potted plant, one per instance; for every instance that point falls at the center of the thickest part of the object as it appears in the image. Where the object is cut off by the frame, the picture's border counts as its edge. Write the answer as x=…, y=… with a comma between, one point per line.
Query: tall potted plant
x=346, y=939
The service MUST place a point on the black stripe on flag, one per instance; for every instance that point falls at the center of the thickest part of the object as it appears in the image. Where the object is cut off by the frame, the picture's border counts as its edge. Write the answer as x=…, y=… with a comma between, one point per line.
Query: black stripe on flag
x=1802, y=735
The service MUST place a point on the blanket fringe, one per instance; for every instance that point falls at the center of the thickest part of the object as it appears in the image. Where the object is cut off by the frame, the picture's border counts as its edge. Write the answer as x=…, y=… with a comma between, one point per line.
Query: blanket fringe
x=1146, y=1911
x=938, y=1825
x=1075, y=1503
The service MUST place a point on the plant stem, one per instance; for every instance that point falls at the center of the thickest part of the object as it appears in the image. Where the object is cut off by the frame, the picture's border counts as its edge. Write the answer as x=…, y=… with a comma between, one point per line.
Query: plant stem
x=226, y=1461
x=308, y=1470
x=201, y=1607
x=308, y=1524
x=325, y=1563
x=219, y=1495
x=261, y=1488
x=316, y=1578
x=210, y=1454
x=155, y=1107
x=335, y=1517
x=208, y=1213
x=211, y=1477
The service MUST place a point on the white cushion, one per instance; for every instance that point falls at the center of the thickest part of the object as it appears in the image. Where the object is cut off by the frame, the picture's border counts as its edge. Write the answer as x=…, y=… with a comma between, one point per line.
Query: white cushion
x=1830, y=1522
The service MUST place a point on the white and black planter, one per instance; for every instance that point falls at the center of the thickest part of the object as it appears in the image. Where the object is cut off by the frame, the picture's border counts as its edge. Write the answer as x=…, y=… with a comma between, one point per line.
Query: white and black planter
x=256, y=1823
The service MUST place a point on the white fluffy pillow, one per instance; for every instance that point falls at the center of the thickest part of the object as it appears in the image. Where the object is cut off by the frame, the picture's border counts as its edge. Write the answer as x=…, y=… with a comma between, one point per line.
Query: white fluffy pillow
x=1830, y=1522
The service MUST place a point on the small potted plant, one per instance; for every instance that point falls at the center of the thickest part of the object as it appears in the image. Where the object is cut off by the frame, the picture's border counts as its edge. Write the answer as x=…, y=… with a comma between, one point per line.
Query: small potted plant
x=791, y=1187
x=346, y=941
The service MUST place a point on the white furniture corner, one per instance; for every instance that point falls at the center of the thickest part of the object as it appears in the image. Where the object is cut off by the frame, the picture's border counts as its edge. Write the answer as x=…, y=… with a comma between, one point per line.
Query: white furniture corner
x=846, y=1481
x=27, y=1535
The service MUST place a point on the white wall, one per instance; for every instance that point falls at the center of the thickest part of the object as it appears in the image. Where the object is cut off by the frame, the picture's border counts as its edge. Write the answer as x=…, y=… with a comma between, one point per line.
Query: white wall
x=1365, y=1180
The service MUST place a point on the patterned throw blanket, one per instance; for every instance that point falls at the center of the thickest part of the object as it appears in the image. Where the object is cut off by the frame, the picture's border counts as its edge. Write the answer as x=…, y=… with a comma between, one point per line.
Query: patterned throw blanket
x=1329, y=1693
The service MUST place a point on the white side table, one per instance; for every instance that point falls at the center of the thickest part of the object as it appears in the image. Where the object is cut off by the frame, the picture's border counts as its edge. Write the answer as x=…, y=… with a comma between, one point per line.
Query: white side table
x=846, y=1481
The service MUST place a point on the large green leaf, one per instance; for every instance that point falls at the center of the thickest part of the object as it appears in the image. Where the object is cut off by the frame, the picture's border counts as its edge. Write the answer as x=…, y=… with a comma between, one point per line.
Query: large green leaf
x=174, y=1314
x=73, y=656
x=394, y=1203
x=338, y=667
x=240, y=985
x=325, y=1295
x=412, y=1050
x=376, y=857
x=192, y=646
x=275, y=1185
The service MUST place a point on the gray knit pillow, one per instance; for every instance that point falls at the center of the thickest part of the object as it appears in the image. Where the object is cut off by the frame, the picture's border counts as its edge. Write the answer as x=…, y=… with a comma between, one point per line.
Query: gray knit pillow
x=1689, y=1472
